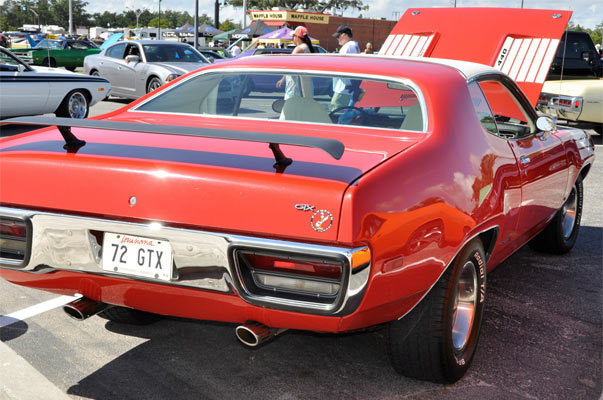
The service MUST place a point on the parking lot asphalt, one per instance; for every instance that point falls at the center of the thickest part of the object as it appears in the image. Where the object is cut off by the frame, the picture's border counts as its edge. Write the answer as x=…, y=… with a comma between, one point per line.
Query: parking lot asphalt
x=541, y=339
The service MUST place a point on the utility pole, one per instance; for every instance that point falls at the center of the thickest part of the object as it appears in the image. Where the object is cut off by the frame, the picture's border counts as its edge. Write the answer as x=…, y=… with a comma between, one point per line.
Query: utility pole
x=70, y=17
x=244, y=14
x=137, y=12
x=158, y=22
x=196, y=40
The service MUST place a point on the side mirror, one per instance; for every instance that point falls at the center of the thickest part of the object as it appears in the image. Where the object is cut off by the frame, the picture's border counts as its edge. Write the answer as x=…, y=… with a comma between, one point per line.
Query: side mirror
x=21, y=68
x=132, y=59
x=586, y=56
x=545, y=124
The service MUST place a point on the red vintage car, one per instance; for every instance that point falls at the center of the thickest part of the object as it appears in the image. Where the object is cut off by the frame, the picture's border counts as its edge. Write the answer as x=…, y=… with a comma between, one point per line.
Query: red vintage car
x=385, y=202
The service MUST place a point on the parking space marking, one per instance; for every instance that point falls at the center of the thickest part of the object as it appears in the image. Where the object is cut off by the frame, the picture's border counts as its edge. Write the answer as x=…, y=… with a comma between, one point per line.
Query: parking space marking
x=36, y=309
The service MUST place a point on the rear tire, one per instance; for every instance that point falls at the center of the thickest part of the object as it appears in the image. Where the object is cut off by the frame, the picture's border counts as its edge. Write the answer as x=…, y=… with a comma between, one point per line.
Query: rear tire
x=130, y=316
x=49, y=62
x=560, y=235
x=436, y=341
x=74, y=105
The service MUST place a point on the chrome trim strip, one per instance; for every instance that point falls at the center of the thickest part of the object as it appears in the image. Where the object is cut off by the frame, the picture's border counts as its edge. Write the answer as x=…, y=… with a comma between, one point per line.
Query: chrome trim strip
x=201, y=258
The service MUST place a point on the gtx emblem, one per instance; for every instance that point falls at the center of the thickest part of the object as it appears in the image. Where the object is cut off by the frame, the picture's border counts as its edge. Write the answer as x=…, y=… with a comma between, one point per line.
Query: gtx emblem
x=321, y=220
x=304, y=207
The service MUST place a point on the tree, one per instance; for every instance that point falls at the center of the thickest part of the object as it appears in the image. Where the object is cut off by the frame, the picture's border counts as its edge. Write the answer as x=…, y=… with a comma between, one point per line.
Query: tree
x=228, y=25
x=60, y=13
x=314, y=5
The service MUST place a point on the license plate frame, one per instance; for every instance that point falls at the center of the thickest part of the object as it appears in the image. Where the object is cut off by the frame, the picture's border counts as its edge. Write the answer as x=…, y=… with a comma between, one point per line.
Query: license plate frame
x=138, y=256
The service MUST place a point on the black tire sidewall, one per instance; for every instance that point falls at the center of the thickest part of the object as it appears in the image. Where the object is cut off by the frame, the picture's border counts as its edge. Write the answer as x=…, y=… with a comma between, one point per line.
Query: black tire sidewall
x=456, y=364
x=149, y=90
x=564, y=244
x=63, y=110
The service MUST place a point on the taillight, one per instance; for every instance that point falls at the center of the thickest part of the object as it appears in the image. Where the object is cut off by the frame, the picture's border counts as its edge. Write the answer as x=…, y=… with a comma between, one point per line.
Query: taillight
x=288, y=265
x=13, y=241
x=293, y=276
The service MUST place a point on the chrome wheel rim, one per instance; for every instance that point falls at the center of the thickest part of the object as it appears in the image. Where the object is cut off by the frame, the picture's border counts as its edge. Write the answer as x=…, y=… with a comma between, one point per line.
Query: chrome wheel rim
x=78, y=105
x=569, y=214
x=154, y=85
x=465, y=304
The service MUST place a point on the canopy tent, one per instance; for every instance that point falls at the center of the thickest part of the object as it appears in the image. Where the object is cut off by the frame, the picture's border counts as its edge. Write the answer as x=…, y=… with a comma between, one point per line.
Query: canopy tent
x=282, y=35
x=203, y=29
x=257, y=28
x=224, y=35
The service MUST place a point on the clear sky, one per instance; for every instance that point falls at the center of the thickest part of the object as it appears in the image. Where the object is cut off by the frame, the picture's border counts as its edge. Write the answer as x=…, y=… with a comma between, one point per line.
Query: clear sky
x=587, y=13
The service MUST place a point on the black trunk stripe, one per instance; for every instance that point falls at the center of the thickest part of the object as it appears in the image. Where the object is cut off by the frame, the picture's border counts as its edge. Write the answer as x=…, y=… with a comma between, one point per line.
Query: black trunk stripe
x=264, y=164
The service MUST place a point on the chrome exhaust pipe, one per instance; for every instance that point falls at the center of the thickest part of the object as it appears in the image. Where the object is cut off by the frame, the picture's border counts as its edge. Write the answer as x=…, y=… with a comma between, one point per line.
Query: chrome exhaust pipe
x=253, y=333
x=83, y=308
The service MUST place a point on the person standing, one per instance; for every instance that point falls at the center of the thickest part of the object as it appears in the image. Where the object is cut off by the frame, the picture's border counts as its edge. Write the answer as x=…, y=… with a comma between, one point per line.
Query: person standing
x=293, y=86
x=342, y=91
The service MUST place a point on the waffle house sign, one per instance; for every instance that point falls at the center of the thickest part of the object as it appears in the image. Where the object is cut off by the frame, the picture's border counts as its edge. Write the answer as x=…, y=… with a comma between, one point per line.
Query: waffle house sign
x=290, y=16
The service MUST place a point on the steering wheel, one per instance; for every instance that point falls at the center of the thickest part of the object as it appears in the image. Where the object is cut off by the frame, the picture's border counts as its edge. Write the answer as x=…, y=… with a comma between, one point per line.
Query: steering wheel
x=356, y=120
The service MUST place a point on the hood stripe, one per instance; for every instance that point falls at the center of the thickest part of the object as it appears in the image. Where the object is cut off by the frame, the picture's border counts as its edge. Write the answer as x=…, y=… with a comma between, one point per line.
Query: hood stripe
x=252, y=163
x=19, y=79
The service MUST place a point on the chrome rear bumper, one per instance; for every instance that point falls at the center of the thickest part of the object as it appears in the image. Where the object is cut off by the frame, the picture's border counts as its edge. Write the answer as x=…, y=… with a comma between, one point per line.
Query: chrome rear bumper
x=201, y=259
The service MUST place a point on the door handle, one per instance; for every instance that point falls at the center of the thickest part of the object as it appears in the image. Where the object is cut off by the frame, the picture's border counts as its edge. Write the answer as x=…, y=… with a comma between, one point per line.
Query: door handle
x=524, y=159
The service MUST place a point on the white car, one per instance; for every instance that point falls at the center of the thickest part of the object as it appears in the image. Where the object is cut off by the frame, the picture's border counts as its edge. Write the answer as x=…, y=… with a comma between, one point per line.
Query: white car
x=138, y=67
x=32, y=90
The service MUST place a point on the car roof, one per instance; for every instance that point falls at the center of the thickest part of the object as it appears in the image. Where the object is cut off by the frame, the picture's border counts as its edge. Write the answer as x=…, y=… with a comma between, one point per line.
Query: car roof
x=360, y=63
x=150, y=41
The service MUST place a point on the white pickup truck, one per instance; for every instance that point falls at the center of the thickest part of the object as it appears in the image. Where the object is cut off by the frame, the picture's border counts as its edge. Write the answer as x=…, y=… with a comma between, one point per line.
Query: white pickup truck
x=574, y=88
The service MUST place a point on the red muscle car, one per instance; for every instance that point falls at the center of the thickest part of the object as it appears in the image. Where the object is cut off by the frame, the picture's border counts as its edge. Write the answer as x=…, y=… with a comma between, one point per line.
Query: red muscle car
x=387, y=201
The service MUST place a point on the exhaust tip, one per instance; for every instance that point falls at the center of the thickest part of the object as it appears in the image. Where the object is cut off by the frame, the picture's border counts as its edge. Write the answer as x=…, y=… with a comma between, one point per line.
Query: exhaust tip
x=74, y=312
x=83, y=308
x=247, y=336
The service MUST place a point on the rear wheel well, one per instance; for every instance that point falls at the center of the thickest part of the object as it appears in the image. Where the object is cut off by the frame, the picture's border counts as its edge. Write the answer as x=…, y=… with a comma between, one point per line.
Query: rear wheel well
x=585, y=171
x=488, y=239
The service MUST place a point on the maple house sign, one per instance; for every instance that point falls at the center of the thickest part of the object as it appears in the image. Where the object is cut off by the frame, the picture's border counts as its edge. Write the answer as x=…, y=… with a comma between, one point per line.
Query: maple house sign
x=290, y=16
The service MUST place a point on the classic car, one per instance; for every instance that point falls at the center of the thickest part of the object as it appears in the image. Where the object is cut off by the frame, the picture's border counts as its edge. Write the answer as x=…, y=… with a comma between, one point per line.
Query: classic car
x=573, y=90
x=390, y=209
x=68, y=53
x=135, y=68
x=27, y=90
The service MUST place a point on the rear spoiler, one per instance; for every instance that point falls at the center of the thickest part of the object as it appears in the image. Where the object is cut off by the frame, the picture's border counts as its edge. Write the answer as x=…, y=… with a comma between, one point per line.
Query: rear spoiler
x=331, y=146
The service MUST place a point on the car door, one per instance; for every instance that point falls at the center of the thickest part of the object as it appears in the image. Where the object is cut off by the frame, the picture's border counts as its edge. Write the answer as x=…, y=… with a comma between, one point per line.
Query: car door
x=77, y=50
x=540, y=156
x=109, y=63
x=23, y=92
x=125, y=75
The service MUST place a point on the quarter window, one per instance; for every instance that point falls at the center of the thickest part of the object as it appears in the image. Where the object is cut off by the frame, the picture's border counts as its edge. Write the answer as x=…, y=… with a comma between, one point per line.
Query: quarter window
x=482, y=109
x=511, y=119
x=116, y=51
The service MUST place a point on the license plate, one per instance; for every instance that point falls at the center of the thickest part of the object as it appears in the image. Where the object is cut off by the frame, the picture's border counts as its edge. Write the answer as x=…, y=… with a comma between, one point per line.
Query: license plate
x=136, y=255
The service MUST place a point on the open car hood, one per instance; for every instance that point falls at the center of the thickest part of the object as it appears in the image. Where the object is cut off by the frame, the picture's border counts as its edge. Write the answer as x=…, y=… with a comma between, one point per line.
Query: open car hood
x=519, y=42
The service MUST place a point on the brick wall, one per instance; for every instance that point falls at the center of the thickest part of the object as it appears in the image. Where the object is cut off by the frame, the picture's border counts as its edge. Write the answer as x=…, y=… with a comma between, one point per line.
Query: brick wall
x=364, y=30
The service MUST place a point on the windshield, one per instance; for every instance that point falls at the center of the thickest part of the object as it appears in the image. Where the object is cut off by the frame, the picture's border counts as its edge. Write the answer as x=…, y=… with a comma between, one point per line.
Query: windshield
x=49, y=44
x=8, y=63
x=172, y=53
x=295, y=96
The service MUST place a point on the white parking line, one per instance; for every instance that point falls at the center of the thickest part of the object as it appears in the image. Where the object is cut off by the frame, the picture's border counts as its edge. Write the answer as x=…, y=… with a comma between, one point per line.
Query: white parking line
x=35, y=310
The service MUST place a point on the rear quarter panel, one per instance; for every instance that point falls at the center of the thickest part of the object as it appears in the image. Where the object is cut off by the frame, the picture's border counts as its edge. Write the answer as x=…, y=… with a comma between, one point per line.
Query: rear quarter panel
x=418, y=210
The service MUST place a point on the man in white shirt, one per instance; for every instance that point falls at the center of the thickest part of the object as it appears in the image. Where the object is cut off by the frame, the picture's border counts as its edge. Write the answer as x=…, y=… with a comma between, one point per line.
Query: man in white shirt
x=342, y=87
x=235, y=50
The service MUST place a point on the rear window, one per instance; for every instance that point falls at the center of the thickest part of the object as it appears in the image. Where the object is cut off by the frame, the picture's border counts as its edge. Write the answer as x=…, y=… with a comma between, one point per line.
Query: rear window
x=314, y=98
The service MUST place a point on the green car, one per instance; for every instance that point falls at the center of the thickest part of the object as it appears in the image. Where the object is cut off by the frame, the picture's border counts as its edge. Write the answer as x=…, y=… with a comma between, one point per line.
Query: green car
x=67, y=53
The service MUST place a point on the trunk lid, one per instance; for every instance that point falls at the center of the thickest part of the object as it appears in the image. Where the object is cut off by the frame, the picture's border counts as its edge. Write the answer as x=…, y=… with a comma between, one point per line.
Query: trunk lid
x=212, y=184
x=520, y=42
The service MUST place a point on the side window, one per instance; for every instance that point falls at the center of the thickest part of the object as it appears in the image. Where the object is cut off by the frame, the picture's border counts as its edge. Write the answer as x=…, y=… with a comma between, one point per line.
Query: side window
x=510, y=118
x=116, y=51
x=482, y=109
